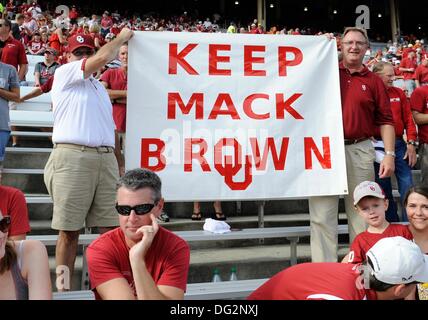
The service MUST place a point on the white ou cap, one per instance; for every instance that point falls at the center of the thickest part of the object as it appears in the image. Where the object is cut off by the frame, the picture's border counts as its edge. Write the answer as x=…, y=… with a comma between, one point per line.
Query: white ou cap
x=367, y=188
x=396, y=260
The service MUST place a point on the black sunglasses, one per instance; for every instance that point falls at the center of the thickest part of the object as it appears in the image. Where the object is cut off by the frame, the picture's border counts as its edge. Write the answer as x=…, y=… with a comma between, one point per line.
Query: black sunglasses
x=4, y=224
x=139, y=209
x=79, y=53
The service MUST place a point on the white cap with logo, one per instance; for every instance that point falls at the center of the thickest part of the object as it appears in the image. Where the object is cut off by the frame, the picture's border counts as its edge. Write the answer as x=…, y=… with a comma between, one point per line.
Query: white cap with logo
x=396, y=260
x=367, y=188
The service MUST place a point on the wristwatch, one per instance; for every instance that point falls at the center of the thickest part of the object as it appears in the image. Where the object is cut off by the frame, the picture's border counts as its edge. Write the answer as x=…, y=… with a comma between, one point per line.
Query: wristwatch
x=412, y=142
x=390, y=153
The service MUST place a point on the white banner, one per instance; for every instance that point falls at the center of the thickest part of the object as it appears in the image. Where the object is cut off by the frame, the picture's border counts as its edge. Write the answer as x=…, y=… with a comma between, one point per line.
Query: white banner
x=228, y=117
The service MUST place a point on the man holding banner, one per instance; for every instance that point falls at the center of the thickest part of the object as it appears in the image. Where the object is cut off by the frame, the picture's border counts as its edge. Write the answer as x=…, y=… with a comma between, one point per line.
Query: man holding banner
x=84, y=166
x=365, y=105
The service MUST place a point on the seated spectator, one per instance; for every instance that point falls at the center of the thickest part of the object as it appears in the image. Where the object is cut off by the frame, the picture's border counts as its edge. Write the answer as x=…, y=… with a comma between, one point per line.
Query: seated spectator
x=371, y=205
x=35, y=45
x=94, y=31
x=45, y=69
x=416, y=204
x=24, y=267
x=393, y=268
x=13, y=205
x=140, y=259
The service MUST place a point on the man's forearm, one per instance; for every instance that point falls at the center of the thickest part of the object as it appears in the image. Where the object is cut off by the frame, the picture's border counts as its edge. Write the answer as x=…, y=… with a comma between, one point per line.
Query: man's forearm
x=9, y=95
x=116, y=94
x=22, y=71
x=387, y=133
x=35, y=93
x=145, y=287
x=118, y=151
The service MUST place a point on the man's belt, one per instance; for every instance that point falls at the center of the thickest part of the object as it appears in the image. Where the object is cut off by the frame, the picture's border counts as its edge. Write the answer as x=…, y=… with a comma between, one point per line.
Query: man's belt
x=101, y=149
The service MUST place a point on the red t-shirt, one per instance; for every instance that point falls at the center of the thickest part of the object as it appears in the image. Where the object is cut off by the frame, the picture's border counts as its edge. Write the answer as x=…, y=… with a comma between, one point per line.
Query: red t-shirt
x=419, y=102
x=13, y=53
x=401, y=114
x=421, y=74
x=365, y=240
x=13, y=204
x=365, y=103
x=35, y=46
x=167, y=259
x=315, y=281
x=117, y=79
x=408, y=63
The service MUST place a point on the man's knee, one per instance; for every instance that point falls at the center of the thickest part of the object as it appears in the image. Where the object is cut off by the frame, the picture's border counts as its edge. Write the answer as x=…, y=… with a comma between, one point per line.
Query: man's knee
x=68, y=237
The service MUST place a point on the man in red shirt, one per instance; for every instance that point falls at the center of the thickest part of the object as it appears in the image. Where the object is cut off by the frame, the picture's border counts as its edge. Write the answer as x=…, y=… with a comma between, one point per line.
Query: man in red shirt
x=116, y=82
x=140, y=259
x=394, y=266
x=365, y=107
x=405, y=150
x=13, y=51
x=13, y=204
x=419, y=106
x=408, y=66
x=421, y=73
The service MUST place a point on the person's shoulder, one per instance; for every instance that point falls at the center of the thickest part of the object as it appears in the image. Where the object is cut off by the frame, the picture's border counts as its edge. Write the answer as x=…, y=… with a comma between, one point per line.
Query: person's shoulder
x=31, y=246
x=11, y=190
x=111, y=236
x=172, y=237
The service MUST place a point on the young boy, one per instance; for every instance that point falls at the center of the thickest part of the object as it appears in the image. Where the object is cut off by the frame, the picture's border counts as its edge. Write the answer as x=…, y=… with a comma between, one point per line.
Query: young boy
x=371, y=205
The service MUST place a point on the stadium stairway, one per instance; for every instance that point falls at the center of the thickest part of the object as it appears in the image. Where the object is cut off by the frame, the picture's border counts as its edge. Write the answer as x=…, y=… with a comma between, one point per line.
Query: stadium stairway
x=253, y=258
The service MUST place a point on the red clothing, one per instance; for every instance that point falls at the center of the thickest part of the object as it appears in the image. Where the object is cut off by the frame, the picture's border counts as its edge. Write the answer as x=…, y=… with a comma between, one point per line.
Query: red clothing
x=402, y=115
x=421, y=74
x=117, y=79
x=167, y=259
x=419, y=103
x=365, y=103
x=47, y=86
x=35, y=46
x=13, y=204
x=315, y=281
x=408, y=63
x=365, y=240
x=106, y=23
x=13, y=53
x=54, y=42
x=73, y=14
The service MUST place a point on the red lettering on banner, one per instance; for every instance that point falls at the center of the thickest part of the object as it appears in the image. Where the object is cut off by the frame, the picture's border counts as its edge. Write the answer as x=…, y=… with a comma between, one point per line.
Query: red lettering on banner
x=278, y=161
x=249, y=60
x=189, y=155
x=324, y=160
x=232, y=165
x=248, y=106
x=176, y=58
x=147, y=154
x=214, y=59
x=283, y=63
x=224, y=98
x=196, y=99
x=282, y=106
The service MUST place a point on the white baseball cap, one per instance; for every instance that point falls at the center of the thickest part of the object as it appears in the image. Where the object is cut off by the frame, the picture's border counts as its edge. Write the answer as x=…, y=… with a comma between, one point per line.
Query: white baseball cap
x=367, y=188
x=396, y=260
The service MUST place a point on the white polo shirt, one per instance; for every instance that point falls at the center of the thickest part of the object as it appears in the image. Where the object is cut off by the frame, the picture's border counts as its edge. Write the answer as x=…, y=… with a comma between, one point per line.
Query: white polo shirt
x=82, y=110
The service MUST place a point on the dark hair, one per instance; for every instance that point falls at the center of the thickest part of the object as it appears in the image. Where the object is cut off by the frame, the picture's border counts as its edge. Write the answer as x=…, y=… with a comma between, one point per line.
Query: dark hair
x=137, y=179
x=9, y=258
x=422, y=190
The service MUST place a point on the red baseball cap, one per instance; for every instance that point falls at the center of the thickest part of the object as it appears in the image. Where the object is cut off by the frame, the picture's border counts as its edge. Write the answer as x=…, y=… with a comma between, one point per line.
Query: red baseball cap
x=80, y=40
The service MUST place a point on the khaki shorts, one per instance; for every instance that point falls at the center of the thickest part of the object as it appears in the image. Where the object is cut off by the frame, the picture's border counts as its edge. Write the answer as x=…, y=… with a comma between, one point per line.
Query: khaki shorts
x=82, y=184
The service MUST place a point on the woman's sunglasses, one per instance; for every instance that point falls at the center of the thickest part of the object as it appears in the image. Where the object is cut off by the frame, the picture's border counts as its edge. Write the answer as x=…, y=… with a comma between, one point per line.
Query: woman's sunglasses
x=139, y=209
x=4, y=224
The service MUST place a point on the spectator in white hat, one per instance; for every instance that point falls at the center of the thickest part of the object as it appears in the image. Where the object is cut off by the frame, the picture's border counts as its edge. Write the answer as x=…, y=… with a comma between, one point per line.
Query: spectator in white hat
x=393, y=268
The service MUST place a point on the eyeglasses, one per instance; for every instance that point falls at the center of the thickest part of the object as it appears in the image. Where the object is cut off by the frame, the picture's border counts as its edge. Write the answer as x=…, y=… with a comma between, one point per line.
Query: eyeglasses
x=4, y=224
x=139, y=209
x=79, y=53
x=357, y=43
